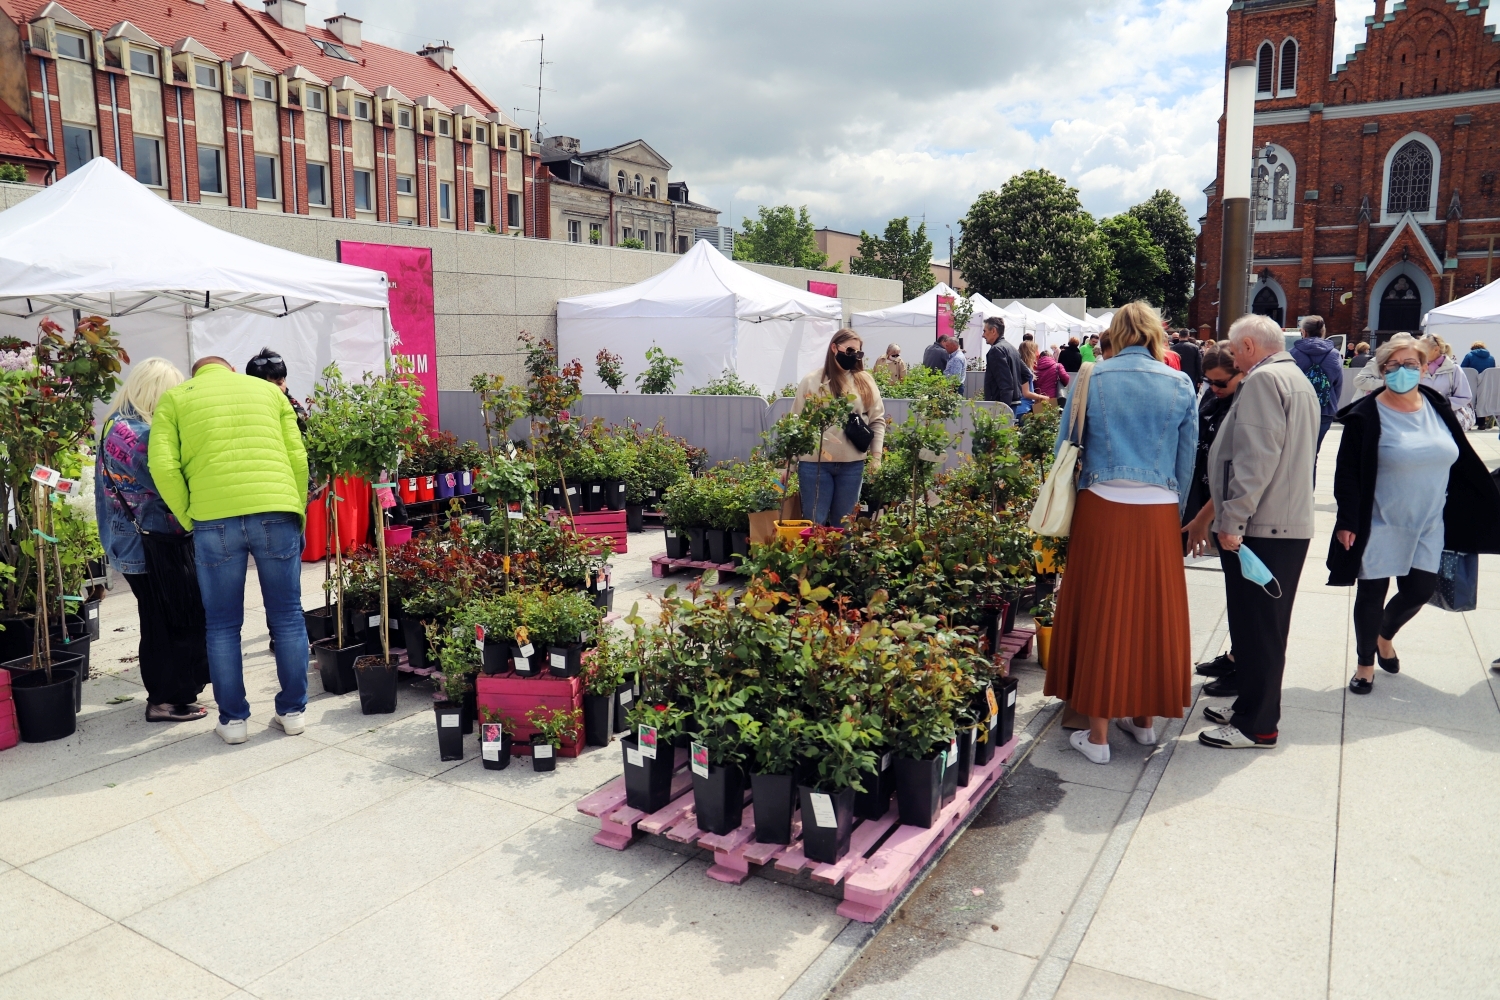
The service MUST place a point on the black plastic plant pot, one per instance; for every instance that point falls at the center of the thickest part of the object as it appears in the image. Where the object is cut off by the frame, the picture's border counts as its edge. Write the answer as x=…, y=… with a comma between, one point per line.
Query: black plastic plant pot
x=624, y=698
x=991, y=617
x=494, y=753
x=15, y=640
x=919, y=789
x=773, y=799
x=984, y=740
x=634, y=522
x=739, y=543
x=827, y=822
x=677, y=543
x=336, y=666
x=496, y=656
x=543, y=754
x=415, y=631
x=698, y=544
x=950, y=771
x=1008, y=622
x=320, y=622
x=1005, y=693
x=450, y=730
x=78, y=643
x=44, y=710
x=648, y=780
x=598, y=717
x=565, y=659
x=91, y=615
x=470, y=706
x=880, y=784
x=377, y=686
x=717, y=541
x=593, y=497
x=614, y=494
x=526, y=665
x=552, y=496
x=604, y=599
x=965, y=768
x=719, y=799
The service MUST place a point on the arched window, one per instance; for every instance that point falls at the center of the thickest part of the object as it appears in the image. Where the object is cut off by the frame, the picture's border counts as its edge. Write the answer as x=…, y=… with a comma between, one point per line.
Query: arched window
x=1264, y=76
x=1281, y=193
x=653, y=188
x=1275, y=185
x=1288, y=67
x=1409, y=185
x=637, y=188
x=1262, y=193
x=620, y=181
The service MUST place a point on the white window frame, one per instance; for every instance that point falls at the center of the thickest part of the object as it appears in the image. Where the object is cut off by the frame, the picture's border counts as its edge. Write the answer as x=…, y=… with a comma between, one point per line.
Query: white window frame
x=218, y=155
x=637, y=186
x=275, y=177
x=149, y=58
x=575, y=231
x=445, y=201
x=156, y=155
x=324, y=168
x=403, y=117
x=410, y=182
x=482, y=214
x=481, y=135
x=369, y=176
x=1270, y=224
x=269, y=85
x=1431, y=215
x=513, y=220
x=362, y=104
x=83, y=42
x=622, y=183
x=213, y=76
x=444, y=126
x=515, y=141
x=596, y=234
x=654, y=189
x=660, y=243
x=1281, y=66
x=313, y=99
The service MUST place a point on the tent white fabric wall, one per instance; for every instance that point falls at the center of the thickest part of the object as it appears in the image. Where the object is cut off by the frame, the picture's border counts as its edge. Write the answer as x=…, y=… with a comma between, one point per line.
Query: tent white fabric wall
x=708, y=312
x=912, y=324
x=99, y=243
x=1475, y=316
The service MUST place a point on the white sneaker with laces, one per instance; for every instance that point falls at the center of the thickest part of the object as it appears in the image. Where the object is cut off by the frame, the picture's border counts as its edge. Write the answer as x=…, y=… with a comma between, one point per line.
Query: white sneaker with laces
x=1220, y=716
x=1093, y=751
x=232, y=732
x=1230, y=738
x=290, y=723
x=1145, y=737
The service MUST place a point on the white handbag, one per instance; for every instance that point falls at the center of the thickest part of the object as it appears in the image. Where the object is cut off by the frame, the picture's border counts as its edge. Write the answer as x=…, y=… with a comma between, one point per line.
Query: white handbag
x=1053, y=514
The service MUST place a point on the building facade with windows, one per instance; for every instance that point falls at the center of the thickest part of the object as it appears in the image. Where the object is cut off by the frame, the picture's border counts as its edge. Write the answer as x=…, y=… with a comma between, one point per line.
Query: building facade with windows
x=608, y=196
x=1373, y=186
x=210, y=102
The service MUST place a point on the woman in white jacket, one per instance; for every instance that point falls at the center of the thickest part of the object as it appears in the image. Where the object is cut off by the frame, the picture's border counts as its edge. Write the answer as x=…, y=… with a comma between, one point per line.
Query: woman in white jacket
x=1440, y=371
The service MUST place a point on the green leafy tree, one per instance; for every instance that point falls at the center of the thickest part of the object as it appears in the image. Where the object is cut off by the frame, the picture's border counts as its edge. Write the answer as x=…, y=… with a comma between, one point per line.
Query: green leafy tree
x=1103, y=278
x=1139, y=264
x=632, y=244
x=660, y=376
x=1167, y=221
x=904, y=254
x=781, y=236
x=1030, y=239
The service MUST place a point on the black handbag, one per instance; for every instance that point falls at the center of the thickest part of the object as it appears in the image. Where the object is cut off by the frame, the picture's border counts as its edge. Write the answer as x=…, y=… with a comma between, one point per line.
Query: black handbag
x=858, y=432
x=171, y=571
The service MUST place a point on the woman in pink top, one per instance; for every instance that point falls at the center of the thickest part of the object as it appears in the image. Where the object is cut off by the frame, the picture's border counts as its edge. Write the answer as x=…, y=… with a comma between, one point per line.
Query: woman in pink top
x=1049, y=374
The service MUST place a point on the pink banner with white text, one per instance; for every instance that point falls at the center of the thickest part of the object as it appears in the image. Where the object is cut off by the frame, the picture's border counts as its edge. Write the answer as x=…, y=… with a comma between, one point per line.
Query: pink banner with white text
x=944, y=316
x=413, y=324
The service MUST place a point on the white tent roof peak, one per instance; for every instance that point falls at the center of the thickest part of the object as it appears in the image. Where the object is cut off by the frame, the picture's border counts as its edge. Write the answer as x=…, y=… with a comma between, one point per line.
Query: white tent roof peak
x=920, y=311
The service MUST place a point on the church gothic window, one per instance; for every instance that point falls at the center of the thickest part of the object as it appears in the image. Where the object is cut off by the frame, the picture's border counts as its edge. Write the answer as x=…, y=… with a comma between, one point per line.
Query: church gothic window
x=1288, y=67
x=1264, y=69
x=1281, y=193
x=1409, y=187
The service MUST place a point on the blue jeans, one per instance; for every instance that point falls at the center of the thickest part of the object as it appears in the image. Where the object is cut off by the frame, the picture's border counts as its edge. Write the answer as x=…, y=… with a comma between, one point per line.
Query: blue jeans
x=275, y=540
x=830, y=490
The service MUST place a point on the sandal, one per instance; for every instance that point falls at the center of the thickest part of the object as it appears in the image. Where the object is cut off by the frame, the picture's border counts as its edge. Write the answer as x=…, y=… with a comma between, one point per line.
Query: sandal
x=174, y=713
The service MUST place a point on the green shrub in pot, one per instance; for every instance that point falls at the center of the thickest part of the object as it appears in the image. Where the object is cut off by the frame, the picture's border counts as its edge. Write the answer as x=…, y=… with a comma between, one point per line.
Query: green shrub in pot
x=660, y=461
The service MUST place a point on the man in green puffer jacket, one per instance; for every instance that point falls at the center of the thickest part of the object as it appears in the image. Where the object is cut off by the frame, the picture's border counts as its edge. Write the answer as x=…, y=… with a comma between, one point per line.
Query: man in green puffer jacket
x=228, y=459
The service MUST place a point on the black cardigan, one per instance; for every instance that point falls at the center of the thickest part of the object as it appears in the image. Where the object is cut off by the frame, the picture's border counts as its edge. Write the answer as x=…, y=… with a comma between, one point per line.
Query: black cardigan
x=1471, y=517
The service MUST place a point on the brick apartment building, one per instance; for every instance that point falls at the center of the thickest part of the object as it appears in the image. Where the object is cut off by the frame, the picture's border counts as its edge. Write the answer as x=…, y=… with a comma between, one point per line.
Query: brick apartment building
x=208, y=101
x=1375, y=200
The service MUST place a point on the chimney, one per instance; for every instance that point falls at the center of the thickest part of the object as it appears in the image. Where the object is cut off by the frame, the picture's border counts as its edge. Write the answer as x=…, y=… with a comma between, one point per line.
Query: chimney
x=440, y=53
x=345, y=29
x=290, y=14
x=562, y=143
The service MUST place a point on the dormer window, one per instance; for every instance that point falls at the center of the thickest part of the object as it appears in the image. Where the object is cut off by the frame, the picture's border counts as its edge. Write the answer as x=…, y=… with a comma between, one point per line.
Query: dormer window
x=362, y=109
x=403, y=117
x=479, y=134
x=265, y=88
x=313, y=100
x=142, y=62
x=444, y=127
x=206, y=77
x=620, y=181
x=72, y=47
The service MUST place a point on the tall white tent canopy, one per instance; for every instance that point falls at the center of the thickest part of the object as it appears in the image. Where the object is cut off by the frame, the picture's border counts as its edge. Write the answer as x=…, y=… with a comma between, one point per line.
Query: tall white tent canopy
x=912, y=324
x=99, y=243
x=1061, y=326
x=973, y=336
x=1476, y=316
x=710, y=313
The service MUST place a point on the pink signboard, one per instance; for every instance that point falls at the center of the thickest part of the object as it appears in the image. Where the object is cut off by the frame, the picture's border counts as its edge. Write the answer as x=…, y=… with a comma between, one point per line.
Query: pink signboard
x=414, y=328
x=827, y=288
x=944, y=316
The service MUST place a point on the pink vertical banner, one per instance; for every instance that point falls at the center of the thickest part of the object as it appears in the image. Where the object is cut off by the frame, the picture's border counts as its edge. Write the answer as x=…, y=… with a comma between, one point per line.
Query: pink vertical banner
x=828, y=288
x=413, y=323
x=944, y=316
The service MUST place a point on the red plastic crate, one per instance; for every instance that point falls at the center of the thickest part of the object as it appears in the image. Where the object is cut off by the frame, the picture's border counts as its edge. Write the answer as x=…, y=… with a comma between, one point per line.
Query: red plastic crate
x=601, y=524
x=514, y=696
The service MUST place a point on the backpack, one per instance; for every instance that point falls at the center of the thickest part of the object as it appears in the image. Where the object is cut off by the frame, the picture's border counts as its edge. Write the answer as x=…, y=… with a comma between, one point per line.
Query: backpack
x=1320, y=383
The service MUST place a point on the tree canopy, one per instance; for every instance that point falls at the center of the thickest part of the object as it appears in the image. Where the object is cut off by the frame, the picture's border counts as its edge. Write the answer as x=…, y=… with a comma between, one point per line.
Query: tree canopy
x=783, y=236
x=1139, y=265
x=1030, y=239
x=904, y=254
x=1167, y=221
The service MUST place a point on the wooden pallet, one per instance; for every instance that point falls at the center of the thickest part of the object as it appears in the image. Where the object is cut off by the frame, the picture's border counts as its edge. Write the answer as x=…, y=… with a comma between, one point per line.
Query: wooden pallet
x=884, y=856
x=1015, y=645
x=662, y=566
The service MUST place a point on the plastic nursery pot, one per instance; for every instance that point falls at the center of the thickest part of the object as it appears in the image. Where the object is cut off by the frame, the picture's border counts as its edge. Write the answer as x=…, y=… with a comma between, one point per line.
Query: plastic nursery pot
x=494, y=746
x=1043, y=644
x=44, y=710
x=739, y=543
x=965, y=768
x=495, y=659
x=408, y=489
x=614, y=494
x=991, y=624
x=634, y=522
x=415, y=632
x=593, y=497
x=718, y=545
x=450, y=731
x=91, y=615
x=447, y=482
x=463, y=483
x=15, y=640
x=880, y=784
x=792, y=530
x=624, y=696
x=677, y=543
x=773, y=799
x=604, y=599
x=1008, y=622
x=919, y=788
x=320, y=622
x=470, y=706
x=950, y=771
x=565, y=659
x=698, y=544
x=543, y=754
x=525, y=660
x=397, y=536
x=648, y=780
x=719, y=798
x=984, y=744
x=336, y=666
x=426, y=487
x=1005, y=693
x=598, y=718
x=78, y=642
x=827, y=822
x=377, y=685
x=60, y=658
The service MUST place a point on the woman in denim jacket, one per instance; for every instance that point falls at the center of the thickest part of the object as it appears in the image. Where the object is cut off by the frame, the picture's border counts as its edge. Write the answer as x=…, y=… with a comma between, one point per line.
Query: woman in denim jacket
x=1140, y=440
x=173, y=661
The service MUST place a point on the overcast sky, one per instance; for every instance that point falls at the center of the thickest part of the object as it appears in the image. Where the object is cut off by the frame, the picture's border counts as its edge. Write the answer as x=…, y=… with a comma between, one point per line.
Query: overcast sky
x=861, y=110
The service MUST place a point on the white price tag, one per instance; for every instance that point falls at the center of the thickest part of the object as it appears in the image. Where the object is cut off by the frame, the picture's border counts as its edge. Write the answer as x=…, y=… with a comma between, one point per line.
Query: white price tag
x=885, y=762
x=45, y=476
x=571, y=491
x=491, y=751
x=823, y=810
x=994, y=722
x=516, y=515
x=596, y=487
x=600, y=585
x=521, y=663
x=559, y=661
x=528, y=650
x=626, y=697
x=1010, y=698
x=633, y=757
x=374, y=621
x=450, y=721
x=953, y=754
x=671, y=533
x=468, y=478
x=93, y=612
x=542, y=750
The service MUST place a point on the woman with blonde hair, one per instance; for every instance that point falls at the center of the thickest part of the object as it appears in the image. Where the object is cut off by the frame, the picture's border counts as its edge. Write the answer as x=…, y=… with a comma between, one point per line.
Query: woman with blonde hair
x=830, y=479
x=1140, y=441
x=891, y=363
x=173, y=653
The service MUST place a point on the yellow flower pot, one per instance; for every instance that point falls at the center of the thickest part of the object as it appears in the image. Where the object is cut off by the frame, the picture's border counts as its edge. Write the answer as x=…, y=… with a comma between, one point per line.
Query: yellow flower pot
x=1043, y=644
x=1046, y=559
x=792, y=530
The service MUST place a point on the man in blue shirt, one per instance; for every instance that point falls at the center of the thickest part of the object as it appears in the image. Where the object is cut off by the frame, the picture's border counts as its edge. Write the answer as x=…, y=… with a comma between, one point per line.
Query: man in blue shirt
x=957, y=365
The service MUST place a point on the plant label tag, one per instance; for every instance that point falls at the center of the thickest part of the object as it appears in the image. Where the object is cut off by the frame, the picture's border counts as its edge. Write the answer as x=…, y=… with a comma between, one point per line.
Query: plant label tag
x=450, y=721
x=995, y=720
x=700, y=759
x=823, y=810
x=374, y=621
x=489, y=732
x=468, y=478
x=626, y=697
x=45, y=476
x=885, y=762
x=953, y=753
x=596, y=488
x=559, y=661
x=989, y=694
x=648, y=741
x=542, y=750
x=600, y=585
x=571, y=491
x=1010, y=697
x=633, y=757
x=528, y=651
x=67, y=487
x=93, y=612
x=516, y=515
x=491, y=751
x=522, y=664
x=479, y=636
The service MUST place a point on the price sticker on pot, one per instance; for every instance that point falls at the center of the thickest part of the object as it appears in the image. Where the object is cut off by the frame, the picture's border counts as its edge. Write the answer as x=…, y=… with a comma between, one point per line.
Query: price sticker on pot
x=571, y=491
x=1010, y=697
x=671, y=533
x=374, y=621
x=45, y=476
x=600, y=585
x=989, y=695
x=516, y=515
x=542, y=751
x=491, y=751
x=648, y=741
x=823, y=810
x=596, y=488
x=626, y=697
x=953, y=753
x=450, y=721
x=633, y=757
x=559, y=661
x=700, y=759
x=885, y=762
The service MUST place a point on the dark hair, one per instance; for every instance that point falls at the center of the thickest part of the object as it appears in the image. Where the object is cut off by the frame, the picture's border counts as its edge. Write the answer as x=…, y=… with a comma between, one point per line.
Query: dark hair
x=1217, y=357
x=996, y=322
x=267, y=365
x=840, y=381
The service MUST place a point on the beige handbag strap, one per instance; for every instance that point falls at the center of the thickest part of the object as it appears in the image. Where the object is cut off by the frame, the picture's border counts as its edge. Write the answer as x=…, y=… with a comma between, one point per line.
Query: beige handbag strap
x=1080, y=404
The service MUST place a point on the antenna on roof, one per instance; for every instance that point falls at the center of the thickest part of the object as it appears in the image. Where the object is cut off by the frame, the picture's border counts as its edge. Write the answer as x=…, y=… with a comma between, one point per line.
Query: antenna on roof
x=541, y=64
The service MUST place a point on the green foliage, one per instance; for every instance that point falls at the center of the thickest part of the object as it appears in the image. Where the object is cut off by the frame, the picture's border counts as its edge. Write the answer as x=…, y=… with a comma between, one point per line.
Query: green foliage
x=12, y=173
x=784, y=236
x=660, y=461
x=610, y=369
x=555, y=725
x=963, y=314
x=920, y=382
x=501, y=404
x=1167, y=221
x=631, y=244
x=1140, y=266
x=1038, y=435
x=661, y=372
x=904, y=254
x=728, y=383
x=604, y=666
x=454, y=651
x=1028, y=240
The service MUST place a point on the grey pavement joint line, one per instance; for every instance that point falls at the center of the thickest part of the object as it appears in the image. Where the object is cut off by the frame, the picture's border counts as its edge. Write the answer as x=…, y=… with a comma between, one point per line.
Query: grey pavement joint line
x=1047, y=976
x=1338, y=809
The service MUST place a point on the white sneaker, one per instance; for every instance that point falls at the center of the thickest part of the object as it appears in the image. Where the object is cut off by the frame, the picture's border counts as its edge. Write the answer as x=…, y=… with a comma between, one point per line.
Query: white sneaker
x=290, y=723
x=233, y=731
x=1145, y=737
x=1093, y=751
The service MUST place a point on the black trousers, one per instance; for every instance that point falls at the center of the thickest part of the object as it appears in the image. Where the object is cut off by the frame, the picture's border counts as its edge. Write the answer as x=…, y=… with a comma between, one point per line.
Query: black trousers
x=174, y=662
x=1258, y=628
x=1373, y=617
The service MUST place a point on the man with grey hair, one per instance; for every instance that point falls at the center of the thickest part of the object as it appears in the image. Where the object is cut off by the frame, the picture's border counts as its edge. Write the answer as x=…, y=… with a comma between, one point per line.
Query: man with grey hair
x=1260, y=473
x=957, y=365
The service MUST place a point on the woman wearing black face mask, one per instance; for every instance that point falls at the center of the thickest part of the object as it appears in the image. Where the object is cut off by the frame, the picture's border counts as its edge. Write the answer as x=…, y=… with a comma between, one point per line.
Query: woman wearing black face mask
x=830, y=487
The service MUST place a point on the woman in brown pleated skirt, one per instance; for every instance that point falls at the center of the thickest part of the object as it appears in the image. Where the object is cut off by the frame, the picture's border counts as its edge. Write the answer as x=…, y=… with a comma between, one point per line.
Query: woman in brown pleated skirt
x=1121, y=644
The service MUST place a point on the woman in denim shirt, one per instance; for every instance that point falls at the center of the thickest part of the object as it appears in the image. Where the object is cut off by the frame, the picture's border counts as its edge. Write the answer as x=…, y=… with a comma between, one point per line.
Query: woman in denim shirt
x=1124, y=568
x=173, y=661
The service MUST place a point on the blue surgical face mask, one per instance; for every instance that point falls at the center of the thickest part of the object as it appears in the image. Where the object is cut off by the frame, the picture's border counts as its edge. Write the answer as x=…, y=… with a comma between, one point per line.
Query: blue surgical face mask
x=1252, y=569
x=1402, y=380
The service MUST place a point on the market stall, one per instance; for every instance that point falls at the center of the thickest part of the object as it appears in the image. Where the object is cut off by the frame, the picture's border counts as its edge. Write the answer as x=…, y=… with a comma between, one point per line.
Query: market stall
x=912, y=324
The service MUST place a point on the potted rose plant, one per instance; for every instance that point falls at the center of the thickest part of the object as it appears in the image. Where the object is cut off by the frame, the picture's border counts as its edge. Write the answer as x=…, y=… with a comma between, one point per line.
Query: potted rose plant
x=495, y=734
x=554, y=728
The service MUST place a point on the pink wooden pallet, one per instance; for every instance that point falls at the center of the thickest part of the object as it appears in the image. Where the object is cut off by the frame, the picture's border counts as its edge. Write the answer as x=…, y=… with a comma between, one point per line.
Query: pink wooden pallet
x=883, y=855
x=662, y=566
x=1016, y=644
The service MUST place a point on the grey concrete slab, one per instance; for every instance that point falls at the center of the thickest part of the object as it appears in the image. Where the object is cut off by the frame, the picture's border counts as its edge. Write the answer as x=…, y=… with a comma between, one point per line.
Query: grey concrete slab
x=932, y=967
x=545, y=791
x=35, y=919
x=1053, y=753
x=117, y=963
x=409, y=743
x=1085, y=983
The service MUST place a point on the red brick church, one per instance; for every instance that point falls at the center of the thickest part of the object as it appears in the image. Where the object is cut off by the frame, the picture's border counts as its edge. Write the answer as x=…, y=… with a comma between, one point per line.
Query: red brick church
x=1374, y=181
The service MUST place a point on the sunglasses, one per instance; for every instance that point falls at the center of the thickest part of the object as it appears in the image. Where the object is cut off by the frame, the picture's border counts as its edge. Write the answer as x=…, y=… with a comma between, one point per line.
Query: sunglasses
x=852, y=353
x=1217, y=384
x=1411, y=366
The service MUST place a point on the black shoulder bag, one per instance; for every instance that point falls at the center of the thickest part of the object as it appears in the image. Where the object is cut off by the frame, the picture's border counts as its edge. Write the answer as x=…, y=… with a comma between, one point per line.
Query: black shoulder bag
x=857, y=431
x=171, y=570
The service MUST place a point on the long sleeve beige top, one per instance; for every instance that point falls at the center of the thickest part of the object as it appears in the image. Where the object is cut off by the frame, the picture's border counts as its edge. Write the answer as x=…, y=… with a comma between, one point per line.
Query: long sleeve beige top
x=836, y=447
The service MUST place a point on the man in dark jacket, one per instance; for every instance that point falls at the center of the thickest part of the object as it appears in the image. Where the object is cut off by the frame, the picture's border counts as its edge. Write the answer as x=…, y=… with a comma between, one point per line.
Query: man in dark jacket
x=935, y=357
x=1191, y=357
x=1005, y=376
x=1320, y=362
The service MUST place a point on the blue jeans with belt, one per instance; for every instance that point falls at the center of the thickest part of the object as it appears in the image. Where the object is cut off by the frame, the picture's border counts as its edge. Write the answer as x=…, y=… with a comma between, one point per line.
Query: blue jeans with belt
x=223, y=547
x=830, y=490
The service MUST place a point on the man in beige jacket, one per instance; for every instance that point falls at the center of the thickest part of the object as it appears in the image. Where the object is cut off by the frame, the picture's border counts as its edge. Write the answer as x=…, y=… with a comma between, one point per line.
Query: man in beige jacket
x=1260, y=472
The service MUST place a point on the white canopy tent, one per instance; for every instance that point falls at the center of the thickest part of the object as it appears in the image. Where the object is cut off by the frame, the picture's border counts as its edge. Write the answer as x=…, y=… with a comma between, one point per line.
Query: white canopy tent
x=1061, y=326
x=99, y=243
x=912, y=324
x=973, y=336
x=710, y=313
x=1476, y=316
